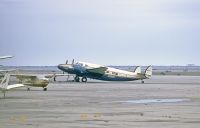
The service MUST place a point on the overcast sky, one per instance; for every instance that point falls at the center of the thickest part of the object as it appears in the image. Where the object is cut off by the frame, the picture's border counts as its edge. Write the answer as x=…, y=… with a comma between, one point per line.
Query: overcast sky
x=108, y=32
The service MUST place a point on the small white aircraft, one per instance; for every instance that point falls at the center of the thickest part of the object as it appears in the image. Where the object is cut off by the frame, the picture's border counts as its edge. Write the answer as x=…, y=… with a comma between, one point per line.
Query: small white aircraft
x=100, y=72
x=4, y=85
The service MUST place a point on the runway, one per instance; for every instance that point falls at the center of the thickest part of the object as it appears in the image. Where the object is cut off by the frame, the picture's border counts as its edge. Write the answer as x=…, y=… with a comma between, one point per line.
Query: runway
x=162, y=101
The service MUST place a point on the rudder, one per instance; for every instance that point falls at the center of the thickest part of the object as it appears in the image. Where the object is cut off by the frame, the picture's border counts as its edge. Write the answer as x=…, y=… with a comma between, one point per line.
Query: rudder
x=148, y=72
x=137, y=69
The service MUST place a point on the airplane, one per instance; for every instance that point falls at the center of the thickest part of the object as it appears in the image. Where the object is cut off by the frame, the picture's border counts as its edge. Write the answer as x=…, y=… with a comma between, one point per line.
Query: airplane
x=28, y=80
x=32, y=81
x=100, y=72
x=4, y=85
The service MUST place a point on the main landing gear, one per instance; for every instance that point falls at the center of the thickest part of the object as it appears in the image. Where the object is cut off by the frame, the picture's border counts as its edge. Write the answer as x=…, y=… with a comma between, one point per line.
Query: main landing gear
x=83, y=79
x=142, y=81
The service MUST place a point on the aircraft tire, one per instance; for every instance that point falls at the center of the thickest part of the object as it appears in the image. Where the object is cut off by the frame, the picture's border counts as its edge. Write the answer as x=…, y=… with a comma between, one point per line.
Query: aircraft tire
x=28, y=89
x=44, y=89
x=77, y=79
x=84, y=79
x=142, y=81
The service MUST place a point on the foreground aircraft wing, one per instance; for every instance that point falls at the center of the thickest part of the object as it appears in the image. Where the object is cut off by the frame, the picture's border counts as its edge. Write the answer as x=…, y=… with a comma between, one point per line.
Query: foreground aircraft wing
x=4, y=83
x=100, y=70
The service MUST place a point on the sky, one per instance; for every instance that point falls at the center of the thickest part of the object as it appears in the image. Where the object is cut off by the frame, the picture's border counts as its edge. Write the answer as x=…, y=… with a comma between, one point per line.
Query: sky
x=108, y=32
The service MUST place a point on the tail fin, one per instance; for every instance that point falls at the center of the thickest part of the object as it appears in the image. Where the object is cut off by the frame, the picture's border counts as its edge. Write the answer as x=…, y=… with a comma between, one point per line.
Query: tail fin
x=5, y=80
x=148, y=72
x=138, y=69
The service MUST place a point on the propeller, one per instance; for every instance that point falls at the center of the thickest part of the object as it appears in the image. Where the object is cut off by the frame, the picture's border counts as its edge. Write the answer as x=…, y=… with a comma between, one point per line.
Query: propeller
x=67, y=62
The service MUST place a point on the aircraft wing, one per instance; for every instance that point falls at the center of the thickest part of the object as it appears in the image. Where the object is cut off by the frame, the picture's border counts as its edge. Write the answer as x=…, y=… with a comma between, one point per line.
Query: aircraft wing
x=100, y=70
x=22, y=77
x=5, y=57
x=14, y=86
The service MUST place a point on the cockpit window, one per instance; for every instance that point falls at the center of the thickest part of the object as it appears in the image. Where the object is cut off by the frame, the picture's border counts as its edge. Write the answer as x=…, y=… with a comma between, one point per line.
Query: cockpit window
x=80, y=64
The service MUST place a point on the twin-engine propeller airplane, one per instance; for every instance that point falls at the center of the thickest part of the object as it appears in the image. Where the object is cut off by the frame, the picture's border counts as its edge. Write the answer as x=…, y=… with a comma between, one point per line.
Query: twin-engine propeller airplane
x=100, y=72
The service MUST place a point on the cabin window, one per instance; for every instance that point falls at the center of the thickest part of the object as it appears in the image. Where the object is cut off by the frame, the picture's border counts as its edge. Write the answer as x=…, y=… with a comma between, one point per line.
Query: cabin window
x=113, y=73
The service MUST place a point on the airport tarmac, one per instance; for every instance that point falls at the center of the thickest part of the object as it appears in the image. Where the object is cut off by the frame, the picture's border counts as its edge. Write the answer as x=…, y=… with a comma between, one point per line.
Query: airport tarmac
x=162, y=102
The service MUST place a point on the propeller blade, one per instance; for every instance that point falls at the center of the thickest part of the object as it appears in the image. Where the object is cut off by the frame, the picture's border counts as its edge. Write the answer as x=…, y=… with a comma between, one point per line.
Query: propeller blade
x=72, y=61
x=66, y=62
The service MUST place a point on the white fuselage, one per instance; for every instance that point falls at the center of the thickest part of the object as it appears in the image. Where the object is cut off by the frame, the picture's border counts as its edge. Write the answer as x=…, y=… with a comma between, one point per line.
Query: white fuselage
x=110, y=72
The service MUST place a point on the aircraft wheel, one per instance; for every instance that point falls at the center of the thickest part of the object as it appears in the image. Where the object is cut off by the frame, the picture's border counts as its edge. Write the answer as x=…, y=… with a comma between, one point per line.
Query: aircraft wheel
x=44, y=89
x=142, y=81
x=77, y=79
x=54, y=79
x=84, y=79
x=28, y=89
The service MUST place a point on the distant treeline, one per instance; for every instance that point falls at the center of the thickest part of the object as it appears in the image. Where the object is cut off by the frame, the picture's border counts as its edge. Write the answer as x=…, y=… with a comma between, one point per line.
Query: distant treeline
x=129, y=68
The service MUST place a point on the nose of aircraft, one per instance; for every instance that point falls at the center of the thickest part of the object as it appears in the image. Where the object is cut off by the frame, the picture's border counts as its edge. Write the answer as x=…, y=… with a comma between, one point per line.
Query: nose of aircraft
x=61, y=66
x=65, y=67
x=45, y=80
